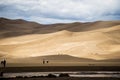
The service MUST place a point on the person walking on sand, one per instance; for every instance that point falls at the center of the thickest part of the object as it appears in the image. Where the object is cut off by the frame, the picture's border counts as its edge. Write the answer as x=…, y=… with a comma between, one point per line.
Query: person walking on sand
x=43, y=61
x=4, y=63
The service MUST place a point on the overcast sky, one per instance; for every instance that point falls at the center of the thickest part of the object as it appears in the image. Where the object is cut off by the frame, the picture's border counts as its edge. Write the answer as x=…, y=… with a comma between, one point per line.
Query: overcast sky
x=60, y=11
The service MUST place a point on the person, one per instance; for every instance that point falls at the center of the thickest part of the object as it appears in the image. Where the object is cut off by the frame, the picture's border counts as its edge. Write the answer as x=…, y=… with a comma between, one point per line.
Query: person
x=47, y=61
x=4, y=63
x=43, y=61
x=1, y=73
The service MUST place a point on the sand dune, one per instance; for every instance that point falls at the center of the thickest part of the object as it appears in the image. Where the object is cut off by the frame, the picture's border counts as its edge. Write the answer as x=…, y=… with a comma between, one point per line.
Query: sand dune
x=95, y=40
x=51, y=58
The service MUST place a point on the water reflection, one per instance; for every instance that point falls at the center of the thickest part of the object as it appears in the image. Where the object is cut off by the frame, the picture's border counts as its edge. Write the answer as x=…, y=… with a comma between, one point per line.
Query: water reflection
x=72, y=74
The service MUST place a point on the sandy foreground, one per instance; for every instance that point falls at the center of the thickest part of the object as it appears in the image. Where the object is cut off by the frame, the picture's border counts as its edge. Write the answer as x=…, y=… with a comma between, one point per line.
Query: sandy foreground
x=62, y=68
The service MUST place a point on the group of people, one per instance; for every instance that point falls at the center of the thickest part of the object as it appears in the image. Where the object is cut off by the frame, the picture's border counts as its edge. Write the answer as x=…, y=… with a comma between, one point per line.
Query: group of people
x=45, y=61
x=3, y=63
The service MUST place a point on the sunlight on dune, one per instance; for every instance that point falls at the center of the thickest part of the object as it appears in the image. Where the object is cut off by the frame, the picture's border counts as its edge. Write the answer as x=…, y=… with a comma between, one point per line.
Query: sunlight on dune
x=89, y=44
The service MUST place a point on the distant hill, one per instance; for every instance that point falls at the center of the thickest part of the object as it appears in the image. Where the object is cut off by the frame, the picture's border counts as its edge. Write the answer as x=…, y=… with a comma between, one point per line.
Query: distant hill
x=90, y=40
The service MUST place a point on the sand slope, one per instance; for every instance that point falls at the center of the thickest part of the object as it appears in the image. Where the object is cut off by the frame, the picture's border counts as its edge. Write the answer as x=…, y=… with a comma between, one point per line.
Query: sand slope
x=96, y=40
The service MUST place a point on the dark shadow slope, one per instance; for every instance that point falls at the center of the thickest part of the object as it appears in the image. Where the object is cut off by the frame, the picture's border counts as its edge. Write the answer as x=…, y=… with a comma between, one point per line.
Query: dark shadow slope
x=18, y=27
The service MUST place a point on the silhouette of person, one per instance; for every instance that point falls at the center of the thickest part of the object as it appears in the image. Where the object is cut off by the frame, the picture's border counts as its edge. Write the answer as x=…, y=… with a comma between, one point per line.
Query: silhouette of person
x=47, y=61
x=43, y=61
x=4, y=63
x=1, y=73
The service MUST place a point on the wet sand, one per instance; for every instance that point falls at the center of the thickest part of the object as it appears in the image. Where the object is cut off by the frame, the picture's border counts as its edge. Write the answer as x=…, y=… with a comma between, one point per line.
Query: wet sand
x=62, y=68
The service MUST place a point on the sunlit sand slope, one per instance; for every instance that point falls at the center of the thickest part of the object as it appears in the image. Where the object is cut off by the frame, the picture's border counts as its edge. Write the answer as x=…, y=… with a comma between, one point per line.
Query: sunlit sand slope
x=97, y=40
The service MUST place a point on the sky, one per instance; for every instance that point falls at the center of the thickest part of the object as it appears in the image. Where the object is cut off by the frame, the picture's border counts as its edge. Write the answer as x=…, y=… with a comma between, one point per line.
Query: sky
x=60, y=11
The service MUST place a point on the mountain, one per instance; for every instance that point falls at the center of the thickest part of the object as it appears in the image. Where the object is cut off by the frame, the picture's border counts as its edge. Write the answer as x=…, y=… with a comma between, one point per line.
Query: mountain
x=12, y=28
x=94, y=40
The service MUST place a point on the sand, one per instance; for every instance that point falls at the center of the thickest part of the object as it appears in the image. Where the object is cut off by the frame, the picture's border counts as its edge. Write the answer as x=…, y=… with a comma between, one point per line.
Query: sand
x=62, y=68
x=96, y=40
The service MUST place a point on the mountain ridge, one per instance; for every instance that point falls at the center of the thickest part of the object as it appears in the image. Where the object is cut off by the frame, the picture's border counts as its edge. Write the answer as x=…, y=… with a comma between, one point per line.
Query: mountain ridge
x=22, y=27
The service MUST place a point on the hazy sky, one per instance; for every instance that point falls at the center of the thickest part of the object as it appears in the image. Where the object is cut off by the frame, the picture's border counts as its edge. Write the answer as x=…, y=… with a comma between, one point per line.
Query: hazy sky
x=59, y=11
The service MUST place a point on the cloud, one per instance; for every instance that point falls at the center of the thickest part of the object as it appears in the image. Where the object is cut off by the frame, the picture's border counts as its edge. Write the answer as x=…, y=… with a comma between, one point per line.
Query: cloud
x=57, y=11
